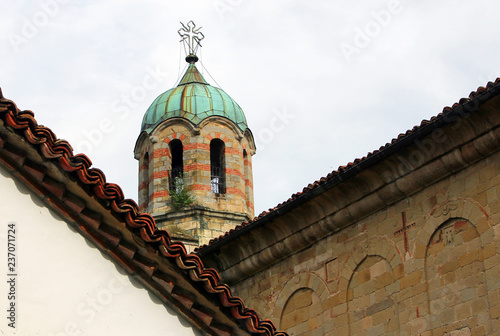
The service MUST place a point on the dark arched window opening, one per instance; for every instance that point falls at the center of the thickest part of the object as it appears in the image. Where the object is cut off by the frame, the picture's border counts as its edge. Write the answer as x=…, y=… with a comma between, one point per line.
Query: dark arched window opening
x=217, y=167
x=177, y=162
x=145, y=180
x=246, y=174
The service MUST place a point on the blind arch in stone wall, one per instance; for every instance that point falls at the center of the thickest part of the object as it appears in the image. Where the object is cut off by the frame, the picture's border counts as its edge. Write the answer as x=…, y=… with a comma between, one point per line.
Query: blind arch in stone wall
x=456, y=238
x=300, y=303
x=384, y=266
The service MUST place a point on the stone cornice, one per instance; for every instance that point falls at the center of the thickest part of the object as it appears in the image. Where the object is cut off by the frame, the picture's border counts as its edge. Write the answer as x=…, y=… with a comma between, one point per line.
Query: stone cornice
x=431, y=154
x=195, y=211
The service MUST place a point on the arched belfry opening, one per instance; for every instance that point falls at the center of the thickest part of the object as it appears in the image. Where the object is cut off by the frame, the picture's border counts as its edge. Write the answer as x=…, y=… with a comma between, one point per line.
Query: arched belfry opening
x=196, y=133
x=177, y=171
x=247, y=175
x=144, y=191
x=217, y=167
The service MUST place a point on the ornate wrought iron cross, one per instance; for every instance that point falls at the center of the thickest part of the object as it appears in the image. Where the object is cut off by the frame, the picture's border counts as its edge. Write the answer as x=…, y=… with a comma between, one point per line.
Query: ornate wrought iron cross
x=191, y=35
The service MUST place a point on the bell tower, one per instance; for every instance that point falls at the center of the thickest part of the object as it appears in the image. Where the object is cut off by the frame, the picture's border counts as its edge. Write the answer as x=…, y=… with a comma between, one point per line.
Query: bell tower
x=195, y=157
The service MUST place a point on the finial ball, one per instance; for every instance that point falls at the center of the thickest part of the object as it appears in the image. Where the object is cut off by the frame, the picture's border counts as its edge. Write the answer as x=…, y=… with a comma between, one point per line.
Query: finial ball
x=191, y=58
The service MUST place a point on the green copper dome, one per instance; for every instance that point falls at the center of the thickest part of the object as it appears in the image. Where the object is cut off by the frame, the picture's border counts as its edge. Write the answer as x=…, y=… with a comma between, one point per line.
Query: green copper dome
x=195, y=100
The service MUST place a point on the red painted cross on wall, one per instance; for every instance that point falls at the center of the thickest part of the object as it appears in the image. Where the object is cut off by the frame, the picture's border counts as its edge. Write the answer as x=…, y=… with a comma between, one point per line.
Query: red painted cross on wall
x=403, y=230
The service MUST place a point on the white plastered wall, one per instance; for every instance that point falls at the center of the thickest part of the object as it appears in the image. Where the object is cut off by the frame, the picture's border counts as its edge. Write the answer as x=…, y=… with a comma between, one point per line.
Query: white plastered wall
x=64, y=284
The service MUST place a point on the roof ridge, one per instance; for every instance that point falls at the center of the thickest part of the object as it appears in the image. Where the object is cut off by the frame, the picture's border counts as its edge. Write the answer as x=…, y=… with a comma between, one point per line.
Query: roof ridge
x=61, y=151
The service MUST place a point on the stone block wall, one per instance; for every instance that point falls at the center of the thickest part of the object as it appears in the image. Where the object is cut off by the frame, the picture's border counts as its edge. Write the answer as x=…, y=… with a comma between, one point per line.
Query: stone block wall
x=426, y=265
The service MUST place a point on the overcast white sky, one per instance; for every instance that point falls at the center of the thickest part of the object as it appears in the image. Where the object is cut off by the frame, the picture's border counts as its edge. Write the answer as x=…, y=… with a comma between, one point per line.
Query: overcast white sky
x=349, y=75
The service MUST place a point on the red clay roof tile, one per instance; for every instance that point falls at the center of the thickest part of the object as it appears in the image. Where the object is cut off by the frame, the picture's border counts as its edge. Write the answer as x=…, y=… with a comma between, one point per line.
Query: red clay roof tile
x=60, y=152
x=491, y=86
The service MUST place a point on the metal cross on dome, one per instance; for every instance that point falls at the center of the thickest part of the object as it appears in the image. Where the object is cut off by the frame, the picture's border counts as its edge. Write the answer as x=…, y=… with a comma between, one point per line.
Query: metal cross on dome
x=192, y=35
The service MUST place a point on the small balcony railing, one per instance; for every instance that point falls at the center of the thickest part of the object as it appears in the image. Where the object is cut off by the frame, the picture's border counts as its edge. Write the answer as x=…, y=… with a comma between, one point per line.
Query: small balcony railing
x=217, y=183
x=175, y=174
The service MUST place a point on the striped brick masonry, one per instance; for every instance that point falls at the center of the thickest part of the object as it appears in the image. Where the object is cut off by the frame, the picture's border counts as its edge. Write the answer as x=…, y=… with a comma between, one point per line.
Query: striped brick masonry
x=212, y=214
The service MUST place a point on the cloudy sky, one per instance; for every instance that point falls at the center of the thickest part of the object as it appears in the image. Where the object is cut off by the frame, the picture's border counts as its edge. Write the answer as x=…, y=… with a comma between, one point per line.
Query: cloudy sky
x=321, y=82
